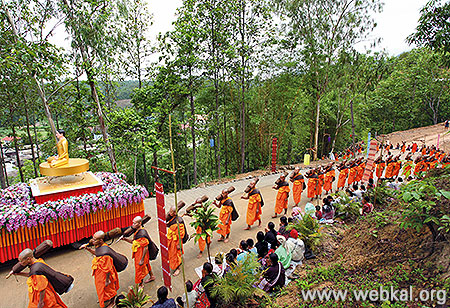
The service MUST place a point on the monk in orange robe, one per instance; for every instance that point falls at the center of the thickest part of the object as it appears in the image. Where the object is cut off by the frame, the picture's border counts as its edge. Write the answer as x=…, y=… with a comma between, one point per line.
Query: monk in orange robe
x=104, y=271
x=360, y=172
x=390, y=164
x=41, y=291
x=329, y=179
x=173, y=240
x=414, y=148
x=140, y=243
x=298, y=185
x=420, y=166
x=352, y=175
x=281, y=202
x=313, y=182
x=397, y=167
x=201, y=242
x=254, y=208
x=225, y=216
x=321, y=177
x=403, y=149
x=343, y=173
x=380, y=168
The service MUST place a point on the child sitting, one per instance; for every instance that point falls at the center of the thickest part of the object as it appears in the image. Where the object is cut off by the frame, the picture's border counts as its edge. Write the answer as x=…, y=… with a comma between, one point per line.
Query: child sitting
x=367, y=206
x=318, y=213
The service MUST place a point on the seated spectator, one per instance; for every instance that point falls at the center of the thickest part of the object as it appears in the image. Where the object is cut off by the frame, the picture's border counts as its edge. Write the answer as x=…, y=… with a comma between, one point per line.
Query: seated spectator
x=207, y=283
x=367, y=206
x=371, y=184
x=231, y=263
x=275, y=276
x=327, y=210
x=357, y=192
x=283, y=252
x=297, y=213
x=262, y=247
x=251, y=246
x=362, y=188
x=400, y=182
x=283, y=224
x=244, y=251
x=349, y=193
x=191, y=295
x=318, y=212
x=297, y=246
x=271, y=236
x=310, y=208
x=163, y=301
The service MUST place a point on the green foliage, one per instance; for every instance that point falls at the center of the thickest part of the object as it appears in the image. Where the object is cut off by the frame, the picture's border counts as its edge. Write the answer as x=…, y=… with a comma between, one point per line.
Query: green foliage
x=426, y=205
x=236, y=286
x=308, y=230
x=205, y=218
x=135, y=298
x=347, y=206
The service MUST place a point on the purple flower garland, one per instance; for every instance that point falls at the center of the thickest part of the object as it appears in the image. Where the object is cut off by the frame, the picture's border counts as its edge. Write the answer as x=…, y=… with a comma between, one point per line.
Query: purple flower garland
x=18, y=208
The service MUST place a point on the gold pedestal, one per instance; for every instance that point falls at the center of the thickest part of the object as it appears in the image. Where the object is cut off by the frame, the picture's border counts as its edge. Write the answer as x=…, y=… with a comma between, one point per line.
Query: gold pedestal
x=74, y=166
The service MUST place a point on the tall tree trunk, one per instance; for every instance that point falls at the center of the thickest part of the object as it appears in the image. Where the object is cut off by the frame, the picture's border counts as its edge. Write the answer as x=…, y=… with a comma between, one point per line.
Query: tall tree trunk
x=90, y=78
x=134, y=169
x=225, y=142
x=2, y=169
x=353, y=122
x=316, y=130
x=16, y=147
x=242, y=30
x=38, y=85
x=217, y=143
x=36, y=137
x=30, y=139
x=194, y=148
x=144, y=164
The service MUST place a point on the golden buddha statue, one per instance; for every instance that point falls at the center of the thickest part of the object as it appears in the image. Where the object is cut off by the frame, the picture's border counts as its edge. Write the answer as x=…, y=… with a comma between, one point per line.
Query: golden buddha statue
x=63, y=151
x=61, y=164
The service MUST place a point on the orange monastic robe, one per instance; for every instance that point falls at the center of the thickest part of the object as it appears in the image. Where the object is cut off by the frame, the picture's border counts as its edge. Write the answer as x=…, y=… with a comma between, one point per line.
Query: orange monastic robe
x=282, y=199
x=173, y=241
x=38, y=283
x=297, y=190
x=414, y=148
x=320, y=184
x=140, y=271
x=389, y=170
x=101, y=266
x=397, y=167
x=224, y=216
x=421, y=166
x=403, y=150
x=201, y=241
x=352, y=175
x=254, y=207
x=360, y=172
x=312, y=187
x=380, y=169
x=342, y=178
x=328, y=180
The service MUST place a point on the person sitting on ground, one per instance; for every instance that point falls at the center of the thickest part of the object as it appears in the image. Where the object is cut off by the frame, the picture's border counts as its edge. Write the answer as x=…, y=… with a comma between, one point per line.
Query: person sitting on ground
x=283, y=224
x=357, y=192
x=349, y=193
x=362, y=188
x=400, y=182
x=271, y=236
x=367, y=206
x=297, y=213
x=283, y=252
x=244, y=251
x=327, y=210
x=163, y=301
x=371, y=184
x=262, y=247
x=318, y=213
x=298, y=247
x=251, y=246
x=191, y=295
x=275, y=276
x=207, y=282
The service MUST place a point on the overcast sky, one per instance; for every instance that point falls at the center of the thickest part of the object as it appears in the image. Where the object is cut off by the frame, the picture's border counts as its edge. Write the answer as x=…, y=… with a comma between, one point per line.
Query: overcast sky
x=398, y=20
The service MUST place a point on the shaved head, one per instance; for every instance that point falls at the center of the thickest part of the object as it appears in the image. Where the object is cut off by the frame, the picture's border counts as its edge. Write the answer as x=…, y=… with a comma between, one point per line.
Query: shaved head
x=137, y=222
x=99, y=235
x=137, y=219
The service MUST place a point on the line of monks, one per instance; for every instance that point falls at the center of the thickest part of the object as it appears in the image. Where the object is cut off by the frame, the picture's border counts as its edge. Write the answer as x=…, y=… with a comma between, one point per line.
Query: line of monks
x=45, y=285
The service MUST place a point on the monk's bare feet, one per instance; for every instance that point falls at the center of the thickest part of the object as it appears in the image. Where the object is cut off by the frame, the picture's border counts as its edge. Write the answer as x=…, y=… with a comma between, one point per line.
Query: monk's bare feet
x=200, y=254
x=248, y=228
x=274, y=216
x=150, y=279
x=226, y=240
x=177, y=272
x=221, y=239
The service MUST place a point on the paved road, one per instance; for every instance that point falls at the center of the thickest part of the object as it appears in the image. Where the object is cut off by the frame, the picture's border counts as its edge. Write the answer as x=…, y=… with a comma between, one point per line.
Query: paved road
x=13, y=292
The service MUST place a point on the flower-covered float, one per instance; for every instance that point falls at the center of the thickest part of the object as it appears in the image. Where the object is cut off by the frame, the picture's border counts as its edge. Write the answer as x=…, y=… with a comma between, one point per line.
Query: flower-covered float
x=72, y=215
